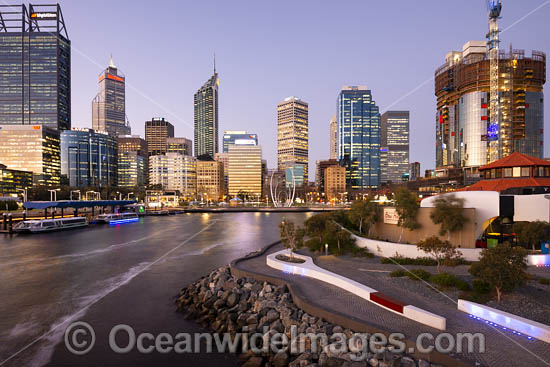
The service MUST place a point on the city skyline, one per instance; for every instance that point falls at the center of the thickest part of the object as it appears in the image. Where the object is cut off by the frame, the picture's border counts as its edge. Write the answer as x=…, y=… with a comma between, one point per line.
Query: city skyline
x=242, y=72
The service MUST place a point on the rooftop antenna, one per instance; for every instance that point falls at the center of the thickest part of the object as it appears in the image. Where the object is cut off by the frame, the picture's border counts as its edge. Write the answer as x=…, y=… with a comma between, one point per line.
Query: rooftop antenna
x=111, y=63
x=214, y=63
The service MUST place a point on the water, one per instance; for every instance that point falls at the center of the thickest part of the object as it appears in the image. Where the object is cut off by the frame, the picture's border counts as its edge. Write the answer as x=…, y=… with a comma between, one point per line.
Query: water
x=106, y=276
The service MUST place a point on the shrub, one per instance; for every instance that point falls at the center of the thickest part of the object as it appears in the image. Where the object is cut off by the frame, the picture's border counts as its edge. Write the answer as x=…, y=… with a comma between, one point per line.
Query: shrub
x=475, y=297
x=357, y=251
x=420, y=261
x=544, y=281
x=439, y=250
x=313, y=245
x=481, y=287
x=444, y=280
x=462, y=285
x=398, y=273
x=456, y=261
x=419, y=274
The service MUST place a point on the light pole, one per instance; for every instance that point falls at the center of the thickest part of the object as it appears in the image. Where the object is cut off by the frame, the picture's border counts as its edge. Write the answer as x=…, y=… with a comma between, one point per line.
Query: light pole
x=24, y=194
x=89, y=192
x=128, y=195
x=77, y=191
x=53, y=194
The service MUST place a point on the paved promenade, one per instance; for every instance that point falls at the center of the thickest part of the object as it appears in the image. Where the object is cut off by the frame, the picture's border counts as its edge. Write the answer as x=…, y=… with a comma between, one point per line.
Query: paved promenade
x=502, y=349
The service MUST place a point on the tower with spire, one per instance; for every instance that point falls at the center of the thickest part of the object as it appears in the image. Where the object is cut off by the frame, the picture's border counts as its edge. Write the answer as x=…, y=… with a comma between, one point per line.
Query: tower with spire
x=109, y=105
x=206, y=117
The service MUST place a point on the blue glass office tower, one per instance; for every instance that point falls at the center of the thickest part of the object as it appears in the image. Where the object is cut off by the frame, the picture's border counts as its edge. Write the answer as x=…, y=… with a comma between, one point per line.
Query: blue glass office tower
x=359, y=137
x=89, y=158
x=239, y=138
x=35, y=67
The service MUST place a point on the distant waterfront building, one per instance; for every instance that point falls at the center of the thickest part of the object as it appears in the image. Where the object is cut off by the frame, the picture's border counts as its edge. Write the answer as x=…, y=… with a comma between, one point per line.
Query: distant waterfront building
x=333, y=138
x=12, y=180
x=109, y=105
x=292, y=134
x=239, y=138
x=89, y=158
x=133, y=168
x=394, y=146
x=206, y=117
x=179, y=145
x=35, y=67
x=224, y=159
x=33, y=148
x=157, y=131
x=245, y=170
x=321, y=166
x=335, y=182
x=174, y=171
x=295, y=175
x=210, y=180
x=414, y=171
x=465, y=135
x=359, y=137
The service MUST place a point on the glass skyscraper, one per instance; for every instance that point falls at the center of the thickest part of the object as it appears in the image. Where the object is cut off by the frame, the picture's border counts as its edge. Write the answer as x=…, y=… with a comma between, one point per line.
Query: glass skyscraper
x=394, y=146
x=35, y=67
x=89, y=158
x=238, y=137
x=359, y=137
x=206, y=118
x=109, y=105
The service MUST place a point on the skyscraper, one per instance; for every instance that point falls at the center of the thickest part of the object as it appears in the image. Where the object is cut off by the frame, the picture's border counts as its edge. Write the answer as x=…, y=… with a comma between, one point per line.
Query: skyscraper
x=157, y=131
x=465, y=136
x=89, y=158
x=238, y=137
x=109, y=105
x=245, y=170
x=35, y=67
x=174, y=171
x=394, y=146
x=206, y=117
x=333, y=138
x=133, y=159
x=292, y=134
x=359, y=137
x=179, y=145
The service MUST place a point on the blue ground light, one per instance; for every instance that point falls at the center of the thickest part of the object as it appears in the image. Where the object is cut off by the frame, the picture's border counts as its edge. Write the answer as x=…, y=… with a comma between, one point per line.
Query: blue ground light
x=500, y=326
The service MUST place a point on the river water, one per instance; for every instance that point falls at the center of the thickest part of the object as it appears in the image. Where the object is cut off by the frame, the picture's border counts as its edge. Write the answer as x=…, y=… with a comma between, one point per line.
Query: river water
x=110, y=275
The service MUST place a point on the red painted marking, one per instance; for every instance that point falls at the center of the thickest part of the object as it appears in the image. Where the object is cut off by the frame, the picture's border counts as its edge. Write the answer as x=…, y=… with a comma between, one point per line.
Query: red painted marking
x=386, y=301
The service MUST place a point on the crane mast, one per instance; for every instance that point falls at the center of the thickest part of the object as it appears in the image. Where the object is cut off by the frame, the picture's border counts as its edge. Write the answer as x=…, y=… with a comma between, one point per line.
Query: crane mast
x=493, y=128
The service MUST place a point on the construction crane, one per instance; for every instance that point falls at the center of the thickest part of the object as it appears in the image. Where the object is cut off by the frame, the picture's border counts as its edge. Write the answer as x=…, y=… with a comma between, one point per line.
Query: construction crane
x=494, y=8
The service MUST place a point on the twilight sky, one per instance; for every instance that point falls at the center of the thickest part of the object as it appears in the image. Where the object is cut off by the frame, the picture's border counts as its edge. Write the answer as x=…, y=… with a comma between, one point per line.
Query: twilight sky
x=269, y=50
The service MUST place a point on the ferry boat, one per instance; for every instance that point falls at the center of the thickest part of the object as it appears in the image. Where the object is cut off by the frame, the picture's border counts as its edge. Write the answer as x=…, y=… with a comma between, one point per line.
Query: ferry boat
x=48, y=225
x=117, y=218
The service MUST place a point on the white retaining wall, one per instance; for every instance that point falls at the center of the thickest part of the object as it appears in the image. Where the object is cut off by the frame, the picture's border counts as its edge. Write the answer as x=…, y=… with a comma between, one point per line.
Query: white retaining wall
x=309, y=269
x=508, y=320
x=531, y=207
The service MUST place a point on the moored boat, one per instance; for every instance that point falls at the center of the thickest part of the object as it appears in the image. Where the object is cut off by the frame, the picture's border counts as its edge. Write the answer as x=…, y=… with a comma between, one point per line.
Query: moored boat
x=48, y=225
x=117, y=218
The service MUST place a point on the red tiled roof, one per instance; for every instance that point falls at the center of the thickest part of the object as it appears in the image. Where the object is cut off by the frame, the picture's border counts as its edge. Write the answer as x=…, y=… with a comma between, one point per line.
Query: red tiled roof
x=516, y=160
x=506, y=183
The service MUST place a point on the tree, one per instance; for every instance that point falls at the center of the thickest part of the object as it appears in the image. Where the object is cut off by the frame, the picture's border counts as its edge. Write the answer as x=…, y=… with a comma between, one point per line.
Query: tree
x=291, y=236
x=364, y=213
x=531, y=233
x=448, y=213
x=315, y=225
x=503, y=267
x=439, y=250
x=406, y=205
x=334, y=234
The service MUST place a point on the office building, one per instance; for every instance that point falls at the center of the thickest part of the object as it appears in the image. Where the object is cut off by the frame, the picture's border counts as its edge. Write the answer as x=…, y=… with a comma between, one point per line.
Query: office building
x=292, y=134
x=465, y=135
x=320, y=172
x=224, y=159
x=133, y=158
x=239, y=138
x=89, y=158
x=335, y=182
x=33, y=148
x=109, y=105
x=179, y=145
x=414, y=171
x=394, y=146
x=157, y=131
x=206, y=118
x=210, y=182
x=295, y=176
x=333, y=138
x=174, y=171
x=245, y=170
x=359, y=137
x=35, y=67
x=11, y=180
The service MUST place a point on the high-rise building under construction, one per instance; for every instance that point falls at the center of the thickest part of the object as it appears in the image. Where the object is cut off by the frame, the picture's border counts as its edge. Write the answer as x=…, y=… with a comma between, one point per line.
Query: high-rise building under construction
x=474, y=126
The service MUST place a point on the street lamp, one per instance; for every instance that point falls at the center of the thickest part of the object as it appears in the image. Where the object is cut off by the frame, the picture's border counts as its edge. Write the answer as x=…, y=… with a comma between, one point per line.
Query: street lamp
x=128, y=195
x=24, y=193
x=77, y=191
x=89, y=192
x=53, y=194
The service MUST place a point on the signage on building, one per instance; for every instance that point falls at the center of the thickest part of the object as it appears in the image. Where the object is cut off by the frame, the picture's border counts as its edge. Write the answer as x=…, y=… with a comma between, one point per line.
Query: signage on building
x=44, y=16
x=391, y=216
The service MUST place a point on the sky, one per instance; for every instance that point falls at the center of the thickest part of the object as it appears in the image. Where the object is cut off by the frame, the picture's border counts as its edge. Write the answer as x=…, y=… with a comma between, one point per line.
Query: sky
x=269, y=50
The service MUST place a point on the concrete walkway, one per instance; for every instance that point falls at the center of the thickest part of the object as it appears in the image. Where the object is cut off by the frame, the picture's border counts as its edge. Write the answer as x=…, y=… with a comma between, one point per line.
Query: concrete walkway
x=502, y=349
